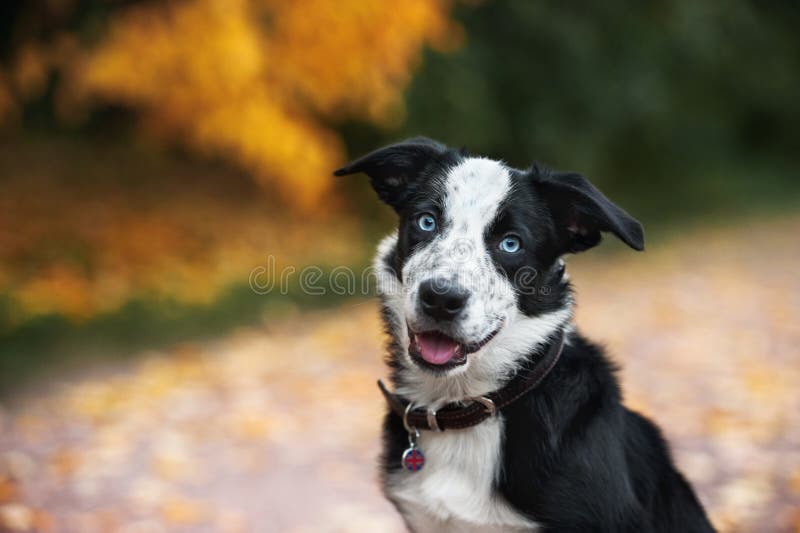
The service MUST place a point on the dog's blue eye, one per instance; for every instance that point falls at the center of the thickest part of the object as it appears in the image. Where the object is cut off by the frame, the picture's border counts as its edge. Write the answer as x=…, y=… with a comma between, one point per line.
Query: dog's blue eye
x=426, y=222
x=510, y=244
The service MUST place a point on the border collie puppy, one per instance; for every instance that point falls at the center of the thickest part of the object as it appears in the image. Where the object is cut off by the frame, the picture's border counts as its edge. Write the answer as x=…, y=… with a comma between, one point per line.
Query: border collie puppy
x=503, y=417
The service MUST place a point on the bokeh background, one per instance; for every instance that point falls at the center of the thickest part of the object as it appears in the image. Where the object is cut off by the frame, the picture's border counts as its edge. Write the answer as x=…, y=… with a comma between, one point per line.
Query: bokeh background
x=155, y=154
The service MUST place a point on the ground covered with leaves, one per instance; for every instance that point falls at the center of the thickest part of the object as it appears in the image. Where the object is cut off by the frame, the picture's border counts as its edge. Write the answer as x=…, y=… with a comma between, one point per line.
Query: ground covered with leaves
x=276, y=428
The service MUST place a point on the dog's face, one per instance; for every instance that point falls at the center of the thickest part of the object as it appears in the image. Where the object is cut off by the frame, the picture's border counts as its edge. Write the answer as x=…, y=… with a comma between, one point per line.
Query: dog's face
x=472, y=281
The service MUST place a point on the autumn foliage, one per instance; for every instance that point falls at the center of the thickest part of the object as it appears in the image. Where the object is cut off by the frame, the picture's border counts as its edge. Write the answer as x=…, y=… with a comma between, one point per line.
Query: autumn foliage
x=253, y=81
x=260, y=84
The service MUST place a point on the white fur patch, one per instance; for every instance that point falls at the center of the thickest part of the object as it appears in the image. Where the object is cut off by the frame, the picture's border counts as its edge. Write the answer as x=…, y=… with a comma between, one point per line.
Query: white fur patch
x=454, y=492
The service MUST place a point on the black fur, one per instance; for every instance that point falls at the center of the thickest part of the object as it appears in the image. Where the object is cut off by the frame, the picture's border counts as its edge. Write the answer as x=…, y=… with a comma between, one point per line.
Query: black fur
x=396, y=170
x=574, y=459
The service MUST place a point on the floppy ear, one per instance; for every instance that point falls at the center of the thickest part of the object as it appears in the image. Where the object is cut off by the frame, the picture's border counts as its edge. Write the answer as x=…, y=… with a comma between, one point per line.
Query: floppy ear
x=581, y=212
x=394, y=169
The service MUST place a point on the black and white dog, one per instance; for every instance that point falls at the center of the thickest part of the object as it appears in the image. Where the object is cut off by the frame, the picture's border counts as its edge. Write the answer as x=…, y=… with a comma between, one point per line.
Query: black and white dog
x=476, y=301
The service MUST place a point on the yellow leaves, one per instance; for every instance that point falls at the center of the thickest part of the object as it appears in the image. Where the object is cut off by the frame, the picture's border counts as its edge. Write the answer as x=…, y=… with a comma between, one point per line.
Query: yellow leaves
x=31, y=70
x=254, y=81
x=249, y=80
x=58, y=285
x=719, y=420
x=64, y=463
x=7, y=101
x=16, y=517
x=160, y=50
x=351, y=57
x=744, y=499
x=794, y=482
x=250, y=426
x=8, y=490
x=182, y=512
x=285, y=152
x=170, y=230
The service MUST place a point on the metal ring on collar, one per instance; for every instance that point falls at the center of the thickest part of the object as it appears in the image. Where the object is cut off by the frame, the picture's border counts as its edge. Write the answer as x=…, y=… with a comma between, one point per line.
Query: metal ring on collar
x=409, y=428
x=491, y=409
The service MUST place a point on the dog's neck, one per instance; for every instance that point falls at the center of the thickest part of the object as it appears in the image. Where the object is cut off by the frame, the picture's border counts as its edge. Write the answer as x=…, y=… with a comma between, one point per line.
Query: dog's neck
x=529, y=337
x=473, y=411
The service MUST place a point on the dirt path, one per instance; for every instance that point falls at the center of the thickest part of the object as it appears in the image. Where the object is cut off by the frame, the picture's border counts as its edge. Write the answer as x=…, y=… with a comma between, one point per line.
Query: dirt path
x=276, y=429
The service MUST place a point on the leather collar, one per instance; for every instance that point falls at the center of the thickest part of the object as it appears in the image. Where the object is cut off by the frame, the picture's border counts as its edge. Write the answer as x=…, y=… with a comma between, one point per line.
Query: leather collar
x=457, y=415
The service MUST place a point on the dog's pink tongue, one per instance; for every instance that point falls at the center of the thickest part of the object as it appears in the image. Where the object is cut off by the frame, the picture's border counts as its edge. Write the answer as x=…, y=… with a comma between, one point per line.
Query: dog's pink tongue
x=436, y=348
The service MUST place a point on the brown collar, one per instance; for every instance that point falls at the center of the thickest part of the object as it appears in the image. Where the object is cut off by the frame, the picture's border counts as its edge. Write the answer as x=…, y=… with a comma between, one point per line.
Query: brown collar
x=456, y=415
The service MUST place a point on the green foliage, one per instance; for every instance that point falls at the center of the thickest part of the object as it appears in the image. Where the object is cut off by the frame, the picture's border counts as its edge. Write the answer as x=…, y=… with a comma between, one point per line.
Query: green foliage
x=676, y=108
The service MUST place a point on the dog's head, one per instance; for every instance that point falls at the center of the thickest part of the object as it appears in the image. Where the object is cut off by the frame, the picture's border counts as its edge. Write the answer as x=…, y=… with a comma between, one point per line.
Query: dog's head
x=472, y=281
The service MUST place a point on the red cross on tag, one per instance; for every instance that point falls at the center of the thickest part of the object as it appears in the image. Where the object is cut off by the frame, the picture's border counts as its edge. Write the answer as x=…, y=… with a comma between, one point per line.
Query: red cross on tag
x=413, y=459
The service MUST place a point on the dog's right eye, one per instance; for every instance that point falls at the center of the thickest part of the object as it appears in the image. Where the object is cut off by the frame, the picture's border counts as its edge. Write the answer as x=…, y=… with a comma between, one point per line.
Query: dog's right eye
x=426, y=222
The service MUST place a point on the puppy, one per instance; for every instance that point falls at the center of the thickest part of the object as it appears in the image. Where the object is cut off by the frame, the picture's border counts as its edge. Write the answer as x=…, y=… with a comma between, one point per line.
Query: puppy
x=503, y=417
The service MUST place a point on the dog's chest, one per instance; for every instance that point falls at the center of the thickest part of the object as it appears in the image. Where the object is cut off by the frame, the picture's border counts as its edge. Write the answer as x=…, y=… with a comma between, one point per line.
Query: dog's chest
x=455, y=491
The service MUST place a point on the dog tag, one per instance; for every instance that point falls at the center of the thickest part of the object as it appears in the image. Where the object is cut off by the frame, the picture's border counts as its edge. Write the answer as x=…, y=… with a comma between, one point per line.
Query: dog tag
x=413, y=459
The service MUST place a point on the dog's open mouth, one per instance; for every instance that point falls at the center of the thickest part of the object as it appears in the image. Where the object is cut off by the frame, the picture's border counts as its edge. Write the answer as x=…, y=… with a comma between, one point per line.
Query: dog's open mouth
x=436, y=350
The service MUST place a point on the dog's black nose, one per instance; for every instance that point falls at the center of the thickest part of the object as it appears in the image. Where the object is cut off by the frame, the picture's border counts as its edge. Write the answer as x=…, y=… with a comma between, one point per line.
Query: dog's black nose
x=442, y=300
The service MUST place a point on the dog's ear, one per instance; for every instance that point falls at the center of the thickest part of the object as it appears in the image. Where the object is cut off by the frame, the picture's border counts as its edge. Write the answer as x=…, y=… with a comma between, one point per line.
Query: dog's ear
x=581, y=212
x=394, y=169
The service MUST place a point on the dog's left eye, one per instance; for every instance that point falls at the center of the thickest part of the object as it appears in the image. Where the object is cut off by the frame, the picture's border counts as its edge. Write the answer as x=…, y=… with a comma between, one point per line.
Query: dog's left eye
x=426, y=222
x=510, y=244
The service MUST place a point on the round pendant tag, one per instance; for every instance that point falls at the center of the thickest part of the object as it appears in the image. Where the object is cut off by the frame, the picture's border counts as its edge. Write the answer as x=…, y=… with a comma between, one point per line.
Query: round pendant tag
x=413, y=459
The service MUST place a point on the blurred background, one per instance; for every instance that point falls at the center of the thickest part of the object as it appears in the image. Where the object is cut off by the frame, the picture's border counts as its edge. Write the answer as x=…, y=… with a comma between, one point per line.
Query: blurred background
x=156, y=155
